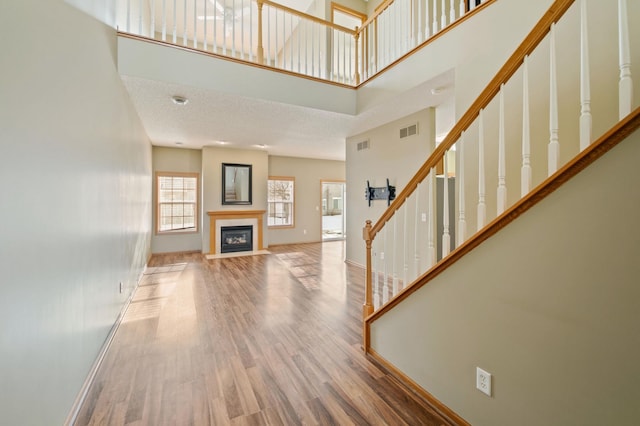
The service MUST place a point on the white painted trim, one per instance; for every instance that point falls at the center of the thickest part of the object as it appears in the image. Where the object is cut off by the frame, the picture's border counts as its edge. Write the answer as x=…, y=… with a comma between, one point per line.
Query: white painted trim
x=84, y=390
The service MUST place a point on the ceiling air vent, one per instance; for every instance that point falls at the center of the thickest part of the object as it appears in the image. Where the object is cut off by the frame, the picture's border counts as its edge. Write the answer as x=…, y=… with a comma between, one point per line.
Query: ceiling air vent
x=409, y=131
x=363, y=145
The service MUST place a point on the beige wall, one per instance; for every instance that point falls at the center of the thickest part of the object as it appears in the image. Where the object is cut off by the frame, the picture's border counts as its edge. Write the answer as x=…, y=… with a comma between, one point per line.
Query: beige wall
x=75, y=216
x=212, y=159
x=177, y=160
x=548, y=306
x=308, y=198
x=388, y=157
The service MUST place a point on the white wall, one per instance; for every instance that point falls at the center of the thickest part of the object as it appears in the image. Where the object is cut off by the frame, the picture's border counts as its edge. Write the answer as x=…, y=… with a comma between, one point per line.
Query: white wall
x=548, y=306
x=388, y=157
x=75, y=217
x=184, y=161
x=212, y=159
x=308, y=198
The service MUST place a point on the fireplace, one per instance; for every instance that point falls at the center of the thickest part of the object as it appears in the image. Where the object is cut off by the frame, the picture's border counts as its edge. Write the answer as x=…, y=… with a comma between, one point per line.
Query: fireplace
x=236, y=238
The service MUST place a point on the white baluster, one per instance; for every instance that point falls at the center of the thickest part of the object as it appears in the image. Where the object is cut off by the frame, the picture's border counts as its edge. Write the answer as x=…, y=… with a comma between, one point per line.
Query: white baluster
x=250, y=32
x=585, y=90
x=502, y=187
x=385, y=285
x=284, y=41
x=299, y=43
x=313, y=48
x=554, y=145
x=625, y=86
x=525, y=171
x=195, y=25
x=140, y=17
x=152, y=25
x=215, y=33
x=175, y=23
x=291, y=55
x=306, y=41
x=184, y=25
x=420, y=34
x=462, y=220
x=204, y=24
x=376, y=278
x=242, y=53
x=426, y=26
x=482, y=207
x=416, y=234
x=452, y=11
x=463, y=9
x=431, y=249
x=215, y=30
x=233, y=29
x=164, y=20
x=404, y=248
x=443, y=17
x=446, y=238
x=435, y=17
x=394, y=266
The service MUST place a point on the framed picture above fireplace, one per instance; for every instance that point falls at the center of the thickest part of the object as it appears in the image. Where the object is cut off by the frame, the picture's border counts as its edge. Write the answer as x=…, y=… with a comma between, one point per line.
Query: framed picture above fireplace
x=236, y=183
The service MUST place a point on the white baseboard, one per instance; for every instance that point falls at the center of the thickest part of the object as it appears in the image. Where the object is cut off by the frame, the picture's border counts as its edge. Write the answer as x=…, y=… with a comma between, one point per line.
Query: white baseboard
x=84, y=390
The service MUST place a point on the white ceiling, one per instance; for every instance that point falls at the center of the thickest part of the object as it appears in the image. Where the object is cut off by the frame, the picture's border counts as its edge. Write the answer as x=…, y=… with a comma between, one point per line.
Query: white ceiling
x=285, y=130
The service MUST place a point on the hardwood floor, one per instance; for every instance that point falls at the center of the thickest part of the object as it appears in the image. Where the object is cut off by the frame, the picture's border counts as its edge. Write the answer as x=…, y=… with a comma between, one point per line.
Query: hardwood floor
x=258, y=340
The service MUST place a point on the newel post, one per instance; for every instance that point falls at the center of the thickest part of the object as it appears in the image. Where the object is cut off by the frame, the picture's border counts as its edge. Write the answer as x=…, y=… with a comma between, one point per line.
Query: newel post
x=260, y=49
x=367, y=308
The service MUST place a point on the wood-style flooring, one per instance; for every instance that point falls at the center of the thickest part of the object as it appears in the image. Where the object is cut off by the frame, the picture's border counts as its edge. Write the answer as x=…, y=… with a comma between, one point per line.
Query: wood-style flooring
x=257, y=340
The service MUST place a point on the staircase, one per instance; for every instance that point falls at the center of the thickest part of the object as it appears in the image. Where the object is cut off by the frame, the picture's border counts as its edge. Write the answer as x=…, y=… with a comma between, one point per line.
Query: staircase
x=537, y=287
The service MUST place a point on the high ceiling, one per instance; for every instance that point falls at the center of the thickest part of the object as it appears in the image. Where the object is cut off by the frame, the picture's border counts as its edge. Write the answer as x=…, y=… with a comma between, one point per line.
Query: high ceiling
x=211, y=117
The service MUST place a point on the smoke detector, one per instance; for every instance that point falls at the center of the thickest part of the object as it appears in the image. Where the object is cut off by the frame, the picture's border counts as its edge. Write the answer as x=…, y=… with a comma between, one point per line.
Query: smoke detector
x=179, y=100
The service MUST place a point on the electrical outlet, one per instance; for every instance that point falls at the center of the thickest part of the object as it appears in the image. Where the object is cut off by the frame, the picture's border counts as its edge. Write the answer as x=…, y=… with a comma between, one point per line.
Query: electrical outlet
x=424, y=217
x=121, y=289
x=381, y=255
x=304, y=232
x=483, y=381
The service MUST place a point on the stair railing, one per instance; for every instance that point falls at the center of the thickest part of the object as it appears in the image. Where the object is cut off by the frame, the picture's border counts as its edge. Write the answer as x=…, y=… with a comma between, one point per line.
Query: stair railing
x=426, y=222
x=267, y=33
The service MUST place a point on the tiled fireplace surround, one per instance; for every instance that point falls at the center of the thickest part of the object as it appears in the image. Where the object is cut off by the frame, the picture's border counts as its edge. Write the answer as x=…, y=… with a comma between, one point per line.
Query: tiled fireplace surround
x=218, y=219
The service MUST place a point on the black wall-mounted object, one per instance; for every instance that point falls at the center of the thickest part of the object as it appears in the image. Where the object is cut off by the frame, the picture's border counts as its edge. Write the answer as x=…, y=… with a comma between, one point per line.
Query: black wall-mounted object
x=380, y=193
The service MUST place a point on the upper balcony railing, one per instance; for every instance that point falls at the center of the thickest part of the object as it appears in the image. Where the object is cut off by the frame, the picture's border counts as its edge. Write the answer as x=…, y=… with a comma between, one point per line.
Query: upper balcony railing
x=277, y=36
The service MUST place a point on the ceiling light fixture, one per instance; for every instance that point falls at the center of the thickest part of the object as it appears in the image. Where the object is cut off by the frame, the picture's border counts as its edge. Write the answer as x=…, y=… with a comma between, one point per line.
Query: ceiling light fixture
x=179, y=100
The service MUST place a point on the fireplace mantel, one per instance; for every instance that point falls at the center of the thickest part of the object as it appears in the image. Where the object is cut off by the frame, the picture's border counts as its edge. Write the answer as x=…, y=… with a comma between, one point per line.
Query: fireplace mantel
x=233, y=214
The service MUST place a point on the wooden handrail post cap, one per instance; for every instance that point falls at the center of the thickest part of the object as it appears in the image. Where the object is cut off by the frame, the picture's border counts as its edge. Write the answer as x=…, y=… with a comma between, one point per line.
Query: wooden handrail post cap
x=366, y=231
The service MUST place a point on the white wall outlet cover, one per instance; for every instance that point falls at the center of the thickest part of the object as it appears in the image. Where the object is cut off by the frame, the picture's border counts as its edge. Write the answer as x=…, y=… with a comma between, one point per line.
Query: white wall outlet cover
x=483, y=381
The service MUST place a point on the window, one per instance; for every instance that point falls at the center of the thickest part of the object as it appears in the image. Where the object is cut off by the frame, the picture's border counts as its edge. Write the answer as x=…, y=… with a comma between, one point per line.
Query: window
x=280, y=201
x=177, y=202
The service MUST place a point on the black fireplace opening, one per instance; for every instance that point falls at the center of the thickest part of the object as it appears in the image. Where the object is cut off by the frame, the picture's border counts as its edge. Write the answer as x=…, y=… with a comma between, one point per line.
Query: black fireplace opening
x=236, y=238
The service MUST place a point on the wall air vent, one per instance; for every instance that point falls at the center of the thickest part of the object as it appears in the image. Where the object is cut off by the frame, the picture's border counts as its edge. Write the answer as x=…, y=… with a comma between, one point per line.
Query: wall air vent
x=363, y=145
x=409, y=131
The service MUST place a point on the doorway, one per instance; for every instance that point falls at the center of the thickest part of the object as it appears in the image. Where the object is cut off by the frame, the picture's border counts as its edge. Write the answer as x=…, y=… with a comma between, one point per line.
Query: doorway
x=333, y=210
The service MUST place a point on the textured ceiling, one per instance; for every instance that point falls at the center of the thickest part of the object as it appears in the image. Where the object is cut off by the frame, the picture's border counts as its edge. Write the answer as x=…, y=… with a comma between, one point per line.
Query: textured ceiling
x=285, y=130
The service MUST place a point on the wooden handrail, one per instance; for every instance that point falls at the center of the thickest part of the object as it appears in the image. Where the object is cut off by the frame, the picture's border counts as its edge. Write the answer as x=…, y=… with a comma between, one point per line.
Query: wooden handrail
x=619, y=132
x=373, y=17
x=537, y=34
x=309, y=17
